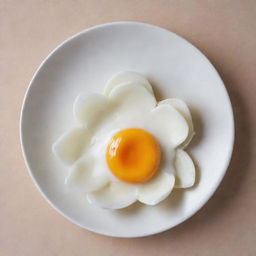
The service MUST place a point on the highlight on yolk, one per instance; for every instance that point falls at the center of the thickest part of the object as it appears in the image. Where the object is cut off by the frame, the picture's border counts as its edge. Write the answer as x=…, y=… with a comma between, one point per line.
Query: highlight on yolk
x=133, y=155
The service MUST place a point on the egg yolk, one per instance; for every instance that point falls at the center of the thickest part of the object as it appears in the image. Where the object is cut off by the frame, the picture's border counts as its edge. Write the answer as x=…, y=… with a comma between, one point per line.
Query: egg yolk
x=133, y=155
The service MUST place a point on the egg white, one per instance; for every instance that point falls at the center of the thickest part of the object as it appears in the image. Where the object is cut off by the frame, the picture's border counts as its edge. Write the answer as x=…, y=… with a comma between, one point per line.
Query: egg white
x=127, y=97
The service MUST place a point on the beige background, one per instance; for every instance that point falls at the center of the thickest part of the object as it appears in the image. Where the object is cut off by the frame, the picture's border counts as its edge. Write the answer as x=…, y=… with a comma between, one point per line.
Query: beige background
x=224, y=30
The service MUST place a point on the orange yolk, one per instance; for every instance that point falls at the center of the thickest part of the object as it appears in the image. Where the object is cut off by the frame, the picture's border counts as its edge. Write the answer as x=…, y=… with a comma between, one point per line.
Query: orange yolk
x=133, y=155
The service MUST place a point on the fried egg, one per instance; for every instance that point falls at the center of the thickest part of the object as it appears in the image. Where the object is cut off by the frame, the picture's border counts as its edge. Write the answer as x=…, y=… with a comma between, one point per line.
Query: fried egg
x=127, y=147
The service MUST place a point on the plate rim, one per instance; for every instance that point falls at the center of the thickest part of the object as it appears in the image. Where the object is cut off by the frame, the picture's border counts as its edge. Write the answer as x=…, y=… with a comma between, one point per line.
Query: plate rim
x=29, y=169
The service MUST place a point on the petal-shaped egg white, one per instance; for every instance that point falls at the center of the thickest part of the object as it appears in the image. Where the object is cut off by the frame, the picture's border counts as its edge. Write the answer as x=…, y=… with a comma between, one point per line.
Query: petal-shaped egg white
x=126, y=77
x=69, y=147
x=182, y=107
x=168, y=125
x=157, y=189
x=132, y=101
x=185, y=170
x=115, y=195
x=87, y=175
x=88, y=109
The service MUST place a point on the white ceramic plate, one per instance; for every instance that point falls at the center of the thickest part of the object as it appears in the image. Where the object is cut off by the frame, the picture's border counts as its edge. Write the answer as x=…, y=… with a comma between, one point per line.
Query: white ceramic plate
x=84, y=63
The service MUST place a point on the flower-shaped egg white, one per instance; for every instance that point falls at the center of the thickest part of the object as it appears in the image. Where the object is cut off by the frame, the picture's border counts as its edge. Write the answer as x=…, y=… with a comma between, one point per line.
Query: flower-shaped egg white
x=126, y=146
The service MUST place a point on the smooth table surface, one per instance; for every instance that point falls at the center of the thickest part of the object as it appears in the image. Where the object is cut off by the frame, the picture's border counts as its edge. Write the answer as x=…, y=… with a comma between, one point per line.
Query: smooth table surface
x=223, y=30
